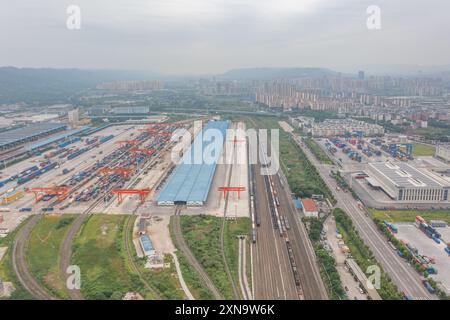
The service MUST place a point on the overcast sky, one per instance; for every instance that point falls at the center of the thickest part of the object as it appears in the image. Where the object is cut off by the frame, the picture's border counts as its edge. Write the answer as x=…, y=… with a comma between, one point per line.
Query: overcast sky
x=213, y=36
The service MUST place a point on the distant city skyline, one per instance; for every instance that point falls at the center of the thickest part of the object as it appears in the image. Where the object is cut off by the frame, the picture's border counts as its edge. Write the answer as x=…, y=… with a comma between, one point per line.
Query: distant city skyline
x=196, y=37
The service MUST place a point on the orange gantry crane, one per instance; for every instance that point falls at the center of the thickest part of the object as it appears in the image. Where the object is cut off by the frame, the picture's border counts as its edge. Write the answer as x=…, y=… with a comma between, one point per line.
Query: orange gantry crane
x=148, y=152
x=143, y=193
x=132, y=142
x=123, y=171
x=235, y=140
x=225, y=190
x=156, y=132
x=59, y=191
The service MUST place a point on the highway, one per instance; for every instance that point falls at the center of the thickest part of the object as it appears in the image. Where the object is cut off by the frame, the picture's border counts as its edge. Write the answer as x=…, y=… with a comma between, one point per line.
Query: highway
x=403, y=275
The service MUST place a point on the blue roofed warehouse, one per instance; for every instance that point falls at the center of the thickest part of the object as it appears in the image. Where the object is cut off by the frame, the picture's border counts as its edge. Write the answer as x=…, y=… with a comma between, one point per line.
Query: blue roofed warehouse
x=191, y=180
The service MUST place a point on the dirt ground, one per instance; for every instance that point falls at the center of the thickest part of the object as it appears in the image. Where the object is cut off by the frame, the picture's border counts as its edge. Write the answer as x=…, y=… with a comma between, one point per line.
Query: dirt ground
x=346, y=277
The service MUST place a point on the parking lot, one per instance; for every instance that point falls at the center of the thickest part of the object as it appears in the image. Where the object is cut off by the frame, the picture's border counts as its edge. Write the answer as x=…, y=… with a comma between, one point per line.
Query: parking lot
x=427, y=247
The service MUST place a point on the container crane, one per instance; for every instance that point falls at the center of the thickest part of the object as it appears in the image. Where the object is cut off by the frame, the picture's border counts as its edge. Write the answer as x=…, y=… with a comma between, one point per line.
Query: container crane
x=59, y=191
x=225, y=190
x=143, y=193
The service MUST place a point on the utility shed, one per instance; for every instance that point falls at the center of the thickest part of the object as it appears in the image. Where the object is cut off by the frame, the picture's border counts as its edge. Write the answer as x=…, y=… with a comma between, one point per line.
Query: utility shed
x=142, y=226
x=146, y=245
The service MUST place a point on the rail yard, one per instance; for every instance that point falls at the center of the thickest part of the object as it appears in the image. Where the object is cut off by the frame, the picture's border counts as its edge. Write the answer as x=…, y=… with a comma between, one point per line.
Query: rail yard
x=126, y=169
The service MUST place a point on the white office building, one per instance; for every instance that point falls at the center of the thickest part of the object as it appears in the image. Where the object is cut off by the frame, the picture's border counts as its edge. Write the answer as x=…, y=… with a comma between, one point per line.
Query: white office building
x=405, y=183
x=443, y=152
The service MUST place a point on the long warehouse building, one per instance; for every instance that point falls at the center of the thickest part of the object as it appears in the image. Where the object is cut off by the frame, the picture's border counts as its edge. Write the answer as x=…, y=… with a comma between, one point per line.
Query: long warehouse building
x=403, y=182
x=191, y=180
x=32, y=132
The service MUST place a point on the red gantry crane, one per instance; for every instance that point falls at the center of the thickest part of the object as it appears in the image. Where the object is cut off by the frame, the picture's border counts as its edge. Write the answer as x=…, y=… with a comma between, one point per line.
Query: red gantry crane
x=156, y=132
x=59, y=191
x=225, y=190
x=235, y=140
x=148, y=152
x=143, y=193
x=123, y=171
x=132, y=142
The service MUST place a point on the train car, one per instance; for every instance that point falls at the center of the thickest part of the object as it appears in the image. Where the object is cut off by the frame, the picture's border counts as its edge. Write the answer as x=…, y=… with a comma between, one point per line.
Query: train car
x=257, y=218
x=277, y=201
x=293, y=264
x=254, y=236
x=286, y=223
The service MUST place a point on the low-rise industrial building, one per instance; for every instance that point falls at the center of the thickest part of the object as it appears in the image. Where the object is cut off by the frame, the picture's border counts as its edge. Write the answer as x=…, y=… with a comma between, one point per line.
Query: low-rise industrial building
x=146, y=245
x=32, y=132
x=337, y=127
x=309, y=208
x=190, y=182
x=405, y=183
x=443, y=152
x=131, y=110
x=142, y=226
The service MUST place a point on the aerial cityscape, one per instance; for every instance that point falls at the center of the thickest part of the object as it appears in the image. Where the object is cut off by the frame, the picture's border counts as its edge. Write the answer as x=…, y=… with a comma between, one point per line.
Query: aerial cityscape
x=149, y=176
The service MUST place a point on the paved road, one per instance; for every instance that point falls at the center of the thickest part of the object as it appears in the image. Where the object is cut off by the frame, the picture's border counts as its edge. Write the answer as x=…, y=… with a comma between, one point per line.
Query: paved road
x=403, y=275
x=20, y=265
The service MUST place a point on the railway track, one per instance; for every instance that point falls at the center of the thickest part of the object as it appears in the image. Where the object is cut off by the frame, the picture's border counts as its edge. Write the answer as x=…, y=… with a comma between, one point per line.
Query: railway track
x=19, y=261
x=178, y=238
x=66, y=254
x=66, y=248
x=222, y=232
x=20, y=265
x=246, y=292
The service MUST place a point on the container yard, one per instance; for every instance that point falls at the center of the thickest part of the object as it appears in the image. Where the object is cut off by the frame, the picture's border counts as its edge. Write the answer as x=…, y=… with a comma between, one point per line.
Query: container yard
x=430, y=247
x=398, y=181
x=86, y=174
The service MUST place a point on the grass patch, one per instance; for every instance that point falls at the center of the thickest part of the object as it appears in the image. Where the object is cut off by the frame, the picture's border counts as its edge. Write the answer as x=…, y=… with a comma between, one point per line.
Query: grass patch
x=165, y=281
x=7, y=273
x=202, y=235
x=190, y=276
x=420, y=149
x=303, y=178
x=192, y=279
x=317, y=151
x=42, y=253
x=233, y=229
x=97, y=250
x=410, y=215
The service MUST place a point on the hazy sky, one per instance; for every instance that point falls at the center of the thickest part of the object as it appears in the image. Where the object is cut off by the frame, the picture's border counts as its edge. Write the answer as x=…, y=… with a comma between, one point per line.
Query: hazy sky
x=212, y=36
